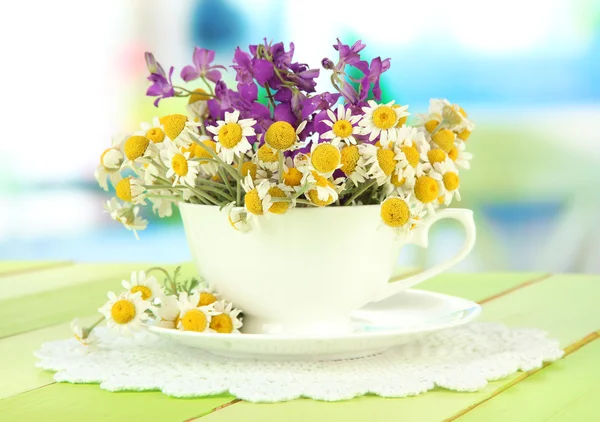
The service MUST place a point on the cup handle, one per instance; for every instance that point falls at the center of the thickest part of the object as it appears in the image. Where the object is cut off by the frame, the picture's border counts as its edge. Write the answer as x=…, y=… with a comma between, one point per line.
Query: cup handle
x=420, y=237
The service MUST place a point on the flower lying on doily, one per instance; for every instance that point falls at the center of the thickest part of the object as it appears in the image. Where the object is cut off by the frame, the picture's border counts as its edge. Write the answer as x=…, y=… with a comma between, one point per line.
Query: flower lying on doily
x=181, y=305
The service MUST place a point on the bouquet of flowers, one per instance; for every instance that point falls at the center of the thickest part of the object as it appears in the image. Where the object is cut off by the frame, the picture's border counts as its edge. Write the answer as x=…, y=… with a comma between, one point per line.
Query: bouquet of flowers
x=275, y=144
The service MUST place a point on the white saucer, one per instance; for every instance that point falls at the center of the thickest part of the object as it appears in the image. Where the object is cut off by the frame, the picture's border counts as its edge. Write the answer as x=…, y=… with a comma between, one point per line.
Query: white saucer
x=378, y=327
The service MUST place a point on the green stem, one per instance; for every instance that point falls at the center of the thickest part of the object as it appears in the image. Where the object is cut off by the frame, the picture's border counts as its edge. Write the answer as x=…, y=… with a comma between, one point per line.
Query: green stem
x=205, y=196
x=166, y=273
x=164, y=197
x=226, y=181
x=305, y=202
x=222, y=163
x=87, y=331
x=238, y=195
x=219, y=192
x=192, y=92
x=270, y=96
x=360, y=191
x=280, y=156
x=209, y=86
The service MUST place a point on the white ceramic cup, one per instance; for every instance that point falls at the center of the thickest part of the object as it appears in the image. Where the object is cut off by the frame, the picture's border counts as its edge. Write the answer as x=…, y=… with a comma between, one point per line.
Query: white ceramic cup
x=303, y=272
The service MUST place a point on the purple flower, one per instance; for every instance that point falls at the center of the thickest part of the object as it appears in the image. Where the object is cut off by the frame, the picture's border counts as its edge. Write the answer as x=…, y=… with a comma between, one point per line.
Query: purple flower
x=162, y=86
x=202, y=59
x=248, y=68
x=348, y=55
x=372, y=77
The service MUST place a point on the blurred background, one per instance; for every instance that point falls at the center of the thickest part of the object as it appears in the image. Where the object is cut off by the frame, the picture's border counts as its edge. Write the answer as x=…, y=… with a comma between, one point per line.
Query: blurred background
x=527, y=72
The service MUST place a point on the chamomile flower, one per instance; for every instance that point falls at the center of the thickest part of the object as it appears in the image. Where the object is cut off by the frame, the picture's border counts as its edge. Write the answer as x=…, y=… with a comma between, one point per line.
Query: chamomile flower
x=399, y=213
x=426, y=192
x=282, y=136
x=380, y=120
x=130, y=189
x=226, y=319
x=200, y=149
x=126, y=215
x=197, y=106
x=168, y=313
x=147, y=285
x=459, y=156
x=452, y=116
x=193, y=317
x=447, y=174
x=208, y=295
x=174, y=126
x=153, y=131
x=323, y=191
x=183, y=170
x=231, y=135
x=444, y=139
x=81, y=335
x=149, y=172
x=343, y=126
x=163, y=207
x=325, y=158
x=382, y=162
x=138, y=149
x=267, y=158
x=109, y=167
x=239, y=218
x=126, y=313
x=257, y=200
x=292, y=176
x=353, y=164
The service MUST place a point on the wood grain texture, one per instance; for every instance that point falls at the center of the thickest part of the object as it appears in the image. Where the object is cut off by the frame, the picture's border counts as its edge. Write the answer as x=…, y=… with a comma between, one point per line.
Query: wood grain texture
x=18, y=267
x=564, y=305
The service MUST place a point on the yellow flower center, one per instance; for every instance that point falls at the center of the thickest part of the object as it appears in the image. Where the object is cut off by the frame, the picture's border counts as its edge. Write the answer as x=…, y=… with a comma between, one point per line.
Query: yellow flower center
x=266, y=154
x=451, y=181
x=194, y=320
x=426, y=189
x=349, y=159
x=342, y=128
x=325, y=158
x=444, y=139
x=146, y=292
x=314, y=197
x=453, y=153
x=199, y=95
x=123, y=190
x=179, y=164
x=249, y=168
x=280, y=136
x=395, y=212
x=221, y=324
x=122, y=311
x=436, y=155
x=253, y=202
x=206, y=299
x=431, y=125
x=293, y=177
x=230, y=135
x=216, y=178
x=464, y=135
x=386, y=160
x=412, y=155
x=173, y=124
x=441, y=199
x=278, y=207
x=397, y=180
x=136, y=146
x=156, y=135
x=384, y=117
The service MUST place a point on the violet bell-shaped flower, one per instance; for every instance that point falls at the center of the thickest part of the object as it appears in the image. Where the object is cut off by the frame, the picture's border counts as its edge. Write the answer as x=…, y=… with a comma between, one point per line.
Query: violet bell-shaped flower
x=372, y=76
x=201, y=67
x=162, y=86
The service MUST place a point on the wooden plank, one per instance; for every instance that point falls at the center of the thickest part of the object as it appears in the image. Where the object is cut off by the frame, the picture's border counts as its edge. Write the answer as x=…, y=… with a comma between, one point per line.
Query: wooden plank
x=23, y=284
x=60, y=304
x=84, y=300
x=567, y=390
x=13, y=267
x=564, y=305
x=76, y=403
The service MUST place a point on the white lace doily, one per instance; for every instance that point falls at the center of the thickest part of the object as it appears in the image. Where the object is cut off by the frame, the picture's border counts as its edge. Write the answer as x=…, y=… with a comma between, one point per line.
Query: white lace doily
x=461, y=359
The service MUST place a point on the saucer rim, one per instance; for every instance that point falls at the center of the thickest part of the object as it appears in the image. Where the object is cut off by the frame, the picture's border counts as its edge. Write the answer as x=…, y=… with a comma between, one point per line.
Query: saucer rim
x=474, y=308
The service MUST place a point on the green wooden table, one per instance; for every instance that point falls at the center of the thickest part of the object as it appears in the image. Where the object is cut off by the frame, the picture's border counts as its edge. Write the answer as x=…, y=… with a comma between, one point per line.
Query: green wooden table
x=38, y=300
